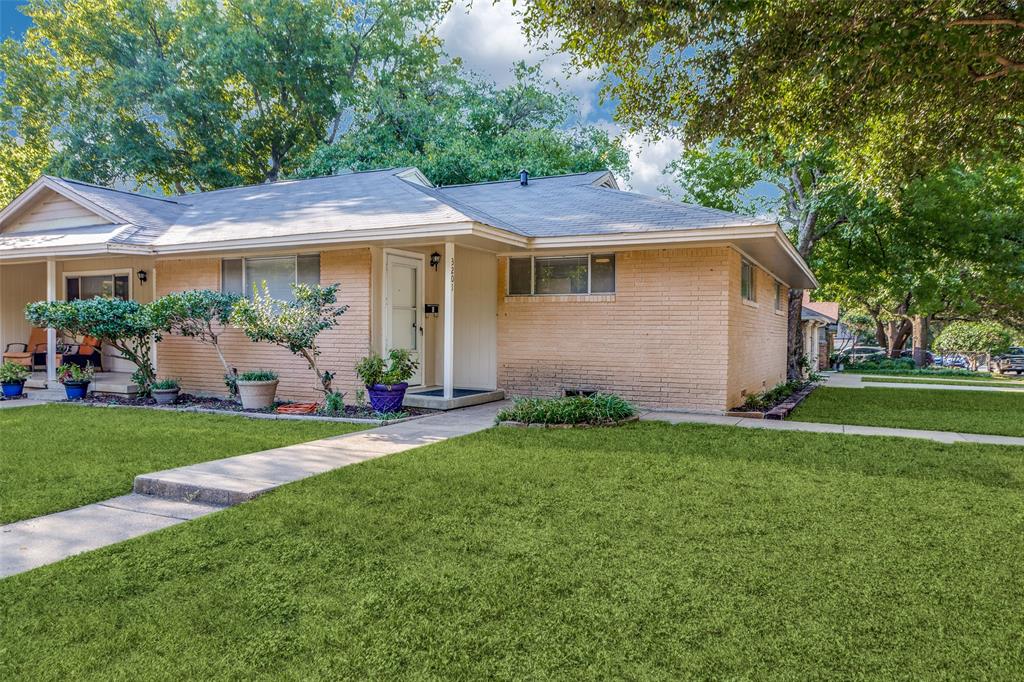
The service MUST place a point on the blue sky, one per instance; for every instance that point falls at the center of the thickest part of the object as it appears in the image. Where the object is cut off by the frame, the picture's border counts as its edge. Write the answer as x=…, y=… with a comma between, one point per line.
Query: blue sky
x=12, y=22
x=488, y=38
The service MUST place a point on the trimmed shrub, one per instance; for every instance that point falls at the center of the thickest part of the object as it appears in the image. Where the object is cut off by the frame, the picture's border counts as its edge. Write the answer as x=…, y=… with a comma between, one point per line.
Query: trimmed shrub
x=597, y=408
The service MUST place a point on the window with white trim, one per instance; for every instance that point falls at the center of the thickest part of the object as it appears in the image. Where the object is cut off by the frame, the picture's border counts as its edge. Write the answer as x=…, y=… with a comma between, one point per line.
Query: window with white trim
x=778, y=297
x=748, y=282
x=243, y=275
x=97, y=286
x=561, y=275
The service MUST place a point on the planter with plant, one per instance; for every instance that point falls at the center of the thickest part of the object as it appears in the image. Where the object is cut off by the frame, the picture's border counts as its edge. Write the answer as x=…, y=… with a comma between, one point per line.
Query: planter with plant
x=294, y=325
x=387, y=380
x=165, y=391
x=76, y=380
x=257, y=389
x=12, y=379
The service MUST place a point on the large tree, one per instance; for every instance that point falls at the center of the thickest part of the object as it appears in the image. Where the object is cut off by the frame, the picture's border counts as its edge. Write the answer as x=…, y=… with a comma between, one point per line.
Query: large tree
x=194, y=94
x=460, y=128
x=898, y=85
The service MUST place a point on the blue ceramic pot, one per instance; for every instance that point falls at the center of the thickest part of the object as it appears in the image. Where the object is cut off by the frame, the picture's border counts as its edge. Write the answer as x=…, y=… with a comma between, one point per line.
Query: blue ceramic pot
x=76, y=390
x=13, y=390
x=384, y=399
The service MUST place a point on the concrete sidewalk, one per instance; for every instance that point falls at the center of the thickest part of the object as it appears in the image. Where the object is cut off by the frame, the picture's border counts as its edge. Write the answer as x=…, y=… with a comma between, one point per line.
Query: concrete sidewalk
x=176, y=495
x=814, y=427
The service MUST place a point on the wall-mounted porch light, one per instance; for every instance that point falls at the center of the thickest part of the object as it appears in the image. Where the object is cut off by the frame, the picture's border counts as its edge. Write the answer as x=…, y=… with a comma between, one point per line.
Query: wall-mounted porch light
x=141, y=274
x=435, y=260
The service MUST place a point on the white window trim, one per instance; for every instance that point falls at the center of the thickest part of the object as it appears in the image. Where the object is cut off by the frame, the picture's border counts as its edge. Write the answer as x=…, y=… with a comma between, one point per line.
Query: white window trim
x=533, y=275
x=99, y=273
x=753, y=282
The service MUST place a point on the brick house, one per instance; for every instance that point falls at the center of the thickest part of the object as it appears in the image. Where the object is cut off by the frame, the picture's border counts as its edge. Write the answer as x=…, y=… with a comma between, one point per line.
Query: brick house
x=536, y=286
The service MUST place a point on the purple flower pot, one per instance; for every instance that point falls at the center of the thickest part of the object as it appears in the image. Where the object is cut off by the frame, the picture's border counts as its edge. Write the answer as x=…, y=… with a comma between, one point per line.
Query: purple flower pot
x=13, y=390
x=384, y=399
x=76, y=390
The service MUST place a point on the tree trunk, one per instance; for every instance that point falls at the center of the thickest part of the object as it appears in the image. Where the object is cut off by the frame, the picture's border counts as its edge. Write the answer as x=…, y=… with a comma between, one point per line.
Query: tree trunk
x=795, y=337
x=899, y=332
x=920, y=340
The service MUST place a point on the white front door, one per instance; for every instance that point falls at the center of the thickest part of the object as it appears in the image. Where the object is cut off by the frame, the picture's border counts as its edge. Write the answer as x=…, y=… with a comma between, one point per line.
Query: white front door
x=403, y=307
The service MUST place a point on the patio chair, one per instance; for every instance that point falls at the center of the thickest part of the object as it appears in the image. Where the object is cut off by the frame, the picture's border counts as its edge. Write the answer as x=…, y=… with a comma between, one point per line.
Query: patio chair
x=32, y=353
x=89, y=352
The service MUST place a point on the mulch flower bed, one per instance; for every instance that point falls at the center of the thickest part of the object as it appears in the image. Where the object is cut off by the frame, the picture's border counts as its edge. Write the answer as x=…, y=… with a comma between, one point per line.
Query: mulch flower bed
x=187, y=401
x=779, y=410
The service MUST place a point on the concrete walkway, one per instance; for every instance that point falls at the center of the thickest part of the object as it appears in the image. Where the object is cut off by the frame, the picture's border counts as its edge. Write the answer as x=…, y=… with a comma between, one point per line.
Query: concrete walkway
x=846, y=380
x=167, y=498
x=770, y=425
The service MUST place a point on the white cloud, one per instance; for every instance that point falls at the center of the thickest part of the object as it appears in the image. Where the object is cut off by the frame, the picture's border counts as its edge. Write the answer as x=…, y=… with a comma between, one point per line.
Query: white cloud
x=489, y=39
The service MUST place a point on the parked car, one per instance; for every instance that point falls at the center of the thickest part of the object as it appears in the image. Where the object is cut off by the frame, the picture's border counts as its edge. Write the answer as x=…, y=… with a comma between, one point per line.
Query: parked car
x=929, y=358
x=952, y=361
x=1011, y=361
x=861, y=353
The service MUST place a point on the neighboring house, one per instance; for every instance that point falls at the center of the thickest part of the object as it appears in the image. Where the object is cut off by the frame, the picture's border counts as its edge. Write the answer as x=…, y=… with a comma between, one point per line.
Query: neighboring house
x=557, y=284
x=820, y=320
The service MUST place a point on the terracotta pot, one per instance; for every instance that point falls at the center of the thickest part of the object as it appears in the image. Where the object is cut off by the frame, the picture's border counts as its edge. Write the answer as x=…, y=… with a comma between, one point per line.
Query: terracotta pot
x=257, y=395
x=165, y=396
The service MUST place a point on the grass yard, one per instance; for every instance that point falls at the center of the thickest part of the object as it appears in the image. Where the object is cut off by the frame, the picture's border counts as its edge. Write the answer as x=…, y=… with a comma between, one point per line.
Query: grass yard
x=935, y=373
x=55, y=457
x=933, y=409
x=947, y=382
x=644, y=552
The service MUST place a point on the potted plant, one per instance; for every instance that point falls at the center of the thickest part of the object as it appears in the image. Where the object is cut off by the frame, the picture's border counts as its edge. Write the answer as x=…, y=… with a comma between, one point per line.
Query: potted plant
x=12, y=379
x=387, y=380
x=257, y=388
x=76, y=380
x=165, y=391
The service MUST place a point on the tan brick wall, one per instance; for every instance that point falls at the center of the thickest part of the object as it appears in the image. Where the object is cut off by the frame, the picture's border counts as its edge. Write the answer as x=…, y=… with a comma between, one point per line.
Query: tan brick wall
x=198, y=367
x=660, y=341
x=757, y=336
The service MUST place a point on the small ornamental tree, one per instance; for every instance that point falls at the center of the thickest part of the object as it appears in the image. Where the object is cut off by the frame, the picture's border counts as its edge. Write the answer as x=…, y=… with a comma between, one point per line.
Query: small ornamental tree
x=974, y=339
x=292, y=324
x=194, y=313
x=127, y=326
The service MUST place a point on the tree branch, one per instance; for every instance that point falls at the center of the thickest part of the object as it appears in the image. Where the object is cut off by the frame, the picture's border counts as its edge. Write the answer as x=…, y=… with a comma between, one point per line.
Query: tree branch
x=988, y=20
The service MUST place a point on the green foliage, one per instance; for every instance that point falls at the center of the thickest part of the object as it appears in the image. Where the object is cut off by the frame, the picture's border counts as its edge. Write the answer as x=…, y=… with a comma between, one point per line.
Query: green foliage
x=374, y=370
x=898, y=86
x=881, y=364
x=765, y=400
x=13, y=373
x=333, y=405
x=73, y=374
x=128, y=326
x=294, y=325
x=595, y=409
x=989, y=338
x=194, y=313
x=718, y=177
x=197, y=94
x=165, y=384
x=457, y=128
x=257, y=375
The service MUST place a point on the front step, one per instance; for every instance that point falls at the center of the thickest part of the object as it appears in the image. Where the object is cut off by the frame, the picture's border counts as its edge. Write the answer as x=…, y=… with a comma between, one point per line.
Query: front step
x=200, y=488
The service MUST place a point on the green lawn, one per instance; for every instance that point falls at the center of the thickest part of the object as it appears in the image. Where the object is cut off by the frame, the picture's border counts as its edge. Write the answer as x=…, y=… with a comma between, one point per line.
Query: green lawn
x=55, y=457
x=936, y=373
x=934, y=409
x=644, y=552
x=947, y=382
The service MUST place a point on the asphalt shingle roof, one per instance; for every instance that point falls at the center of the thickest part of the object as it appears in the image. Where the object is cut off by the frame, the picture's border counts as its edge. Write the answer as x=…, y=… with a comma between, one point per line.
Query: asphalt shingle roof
x=565, y=205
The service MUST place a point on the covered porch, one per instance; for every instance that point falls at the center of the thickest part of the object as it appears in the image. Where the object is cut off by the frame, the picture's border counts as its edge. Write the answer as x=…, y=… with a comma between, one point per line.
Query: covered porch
x=439, y=301
x=53, y=279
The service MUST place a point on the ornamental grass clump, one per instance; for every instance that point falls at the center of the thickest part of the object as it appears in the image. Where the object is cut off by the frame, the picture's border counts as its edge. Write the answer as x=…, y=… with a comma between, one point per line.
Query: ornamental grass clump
x=596, y=408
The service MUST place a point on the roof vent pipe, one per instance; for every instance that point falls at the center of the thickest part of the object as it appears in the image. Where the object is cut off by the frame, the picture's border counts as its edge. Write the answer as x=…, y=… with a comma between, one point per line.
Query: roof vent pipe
x=524, y=178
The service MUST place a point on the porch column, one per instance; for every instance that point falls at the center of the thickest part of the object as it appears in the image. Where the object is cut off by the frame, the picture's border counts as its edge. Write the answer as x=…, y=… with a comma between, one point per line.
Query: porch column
x=51, y=333
x=449, y=320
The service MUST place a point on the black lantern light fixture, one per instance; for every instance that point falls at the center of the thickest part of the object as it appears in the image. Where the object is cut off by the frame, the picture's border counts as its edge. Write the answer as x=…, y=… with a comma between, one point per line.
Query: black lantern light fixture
x=435, y=260
x=141, y=274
